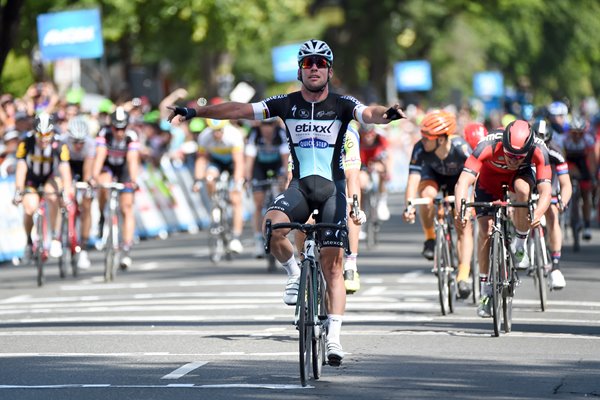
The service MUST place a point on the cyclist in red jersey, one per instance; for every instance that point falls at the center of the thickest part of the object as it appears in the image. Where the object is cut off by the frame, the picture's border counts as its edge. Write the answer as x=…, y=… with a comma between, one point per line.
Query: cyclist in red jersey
x=506, y=157
x=374, y=156
x=474, y=132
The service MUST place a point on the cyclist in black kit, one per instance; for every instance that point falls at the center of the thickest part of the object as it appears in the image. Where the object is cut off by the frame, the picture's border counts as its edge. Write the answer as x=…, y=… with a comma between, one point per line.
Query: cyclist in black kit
x=315, y=121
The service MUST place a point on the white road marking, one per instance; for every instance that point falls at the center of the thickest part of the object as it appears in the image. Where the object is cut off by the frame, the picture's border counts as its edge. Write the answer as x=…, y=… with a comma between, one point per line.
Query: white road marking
x=184, y=369
x=169, y=386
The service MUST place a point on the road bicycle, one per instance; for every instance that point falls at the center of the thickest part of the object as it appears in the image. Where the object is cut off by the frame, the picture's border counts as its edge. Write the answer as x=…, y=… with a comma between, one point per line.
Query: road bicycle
x=541, y=263
x=220, y=221
x=502, y=275
x=475, y=262
x=311, y=308
x=573, y=215
x=271, y=188
x=444, y=255
x=68, y=233
x=370, y=199
x=112, y=252
x=39, y=249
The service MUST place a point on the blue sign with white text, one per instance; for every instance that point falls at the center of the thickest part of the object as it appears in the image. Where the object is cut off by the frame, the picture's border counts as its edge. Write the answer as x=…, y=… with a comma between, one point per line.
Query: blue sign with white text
x=285, y=62
x=70, y=34
x=413, y=76
x=488, y=84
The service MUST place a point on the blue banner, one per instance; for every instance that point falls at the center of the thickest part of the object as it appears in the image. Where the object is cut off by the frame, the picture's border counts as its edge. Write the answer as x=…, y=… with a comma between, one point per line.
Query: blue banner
x=285, y=62
x=413, y=76
x=488, y=84
x=70, y=34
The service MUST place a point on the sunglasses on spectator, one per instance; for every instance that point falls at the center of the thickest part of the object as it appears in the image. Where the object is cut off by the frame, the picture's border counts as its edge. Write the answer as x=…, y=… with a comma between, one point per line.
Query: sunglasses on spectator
x=308, y=62
x=514, y=156
x=44, y=135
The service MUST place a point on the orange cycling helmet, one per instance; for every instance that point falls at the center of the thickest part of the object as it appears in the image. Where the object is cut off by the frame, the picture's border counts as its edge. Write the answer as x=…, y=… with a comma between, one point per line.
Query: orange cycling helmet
x=438, y=123
x=474, y=132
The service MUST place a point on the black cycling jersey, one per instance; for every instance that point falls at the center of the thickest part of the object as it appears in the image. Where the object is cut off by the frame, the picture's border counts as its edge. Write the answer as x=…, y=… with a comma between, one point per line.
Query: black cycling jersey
x=41, y=163
x=428, y=164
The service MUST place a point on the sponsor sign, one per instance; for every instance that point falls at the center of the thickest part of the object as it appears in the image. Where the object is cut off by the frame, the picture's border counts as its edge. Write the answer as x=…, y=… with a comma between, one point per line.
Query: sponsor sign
x=413, y=76
x=285, y=62
x=70, y=34
x=488, y=84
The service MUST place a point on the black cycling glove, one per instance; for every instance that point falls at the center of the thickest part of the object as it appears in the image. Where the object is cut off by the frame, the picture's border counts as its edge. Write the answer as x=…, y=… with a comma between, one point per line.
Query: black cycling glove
x=393, y=114
x=186, y=112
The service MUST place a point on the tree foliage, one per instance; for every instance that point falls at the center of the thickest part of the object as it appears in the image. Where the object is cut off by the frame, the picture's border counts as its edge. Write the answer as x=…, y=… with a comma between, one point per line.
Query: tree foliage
x=546, y=47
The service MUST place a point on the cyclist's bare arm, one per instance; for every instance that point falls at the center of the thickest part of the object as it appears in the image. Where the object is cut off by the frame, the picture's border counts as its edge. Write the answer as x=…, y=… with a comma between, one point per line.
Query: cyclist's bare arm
x=229, y=110
x=200, y=166
x=545, y=192
x=249, y=165
x=20, y=174
x=133, y=163
x=101, y=152
x=461, y=190
x=238, y=166
x=566, y=189
x=64, y=170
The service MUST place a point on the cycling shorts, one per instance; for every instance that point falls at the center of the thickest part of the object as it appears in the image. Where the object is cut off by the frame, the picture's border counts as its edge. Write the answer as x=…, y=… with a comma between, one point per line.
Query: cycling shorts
x=481, y=194
x=262, y=172
x=315, y=192
x=441, y=182
x=120, y=173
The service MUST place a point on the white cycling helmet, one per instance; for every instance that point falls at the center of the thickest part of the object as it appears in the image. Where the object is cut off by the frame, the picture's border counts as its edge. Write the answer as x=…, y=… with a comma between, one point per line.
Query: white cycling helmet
x=314, y=47
x=557, y=108
x=78, y=129
x=44, y=124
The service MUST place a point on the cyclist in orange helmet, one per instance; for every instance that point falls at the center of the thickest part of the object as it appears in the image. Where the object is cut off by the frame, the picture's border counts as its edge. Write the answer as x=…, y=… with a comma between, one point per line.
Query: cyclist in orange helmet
x=436, y=163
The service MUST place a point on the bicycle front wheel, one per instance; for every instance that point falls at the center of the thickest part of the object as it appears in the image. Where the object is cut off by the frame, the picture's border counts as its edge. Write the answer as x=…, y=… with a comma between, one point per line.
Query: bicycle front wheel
x=64, y=242
x=319, y=335
x=441, y=270
x=475, y=264
x=539, y=277
x=508, y=292
x=304, y=329
x=496, y=278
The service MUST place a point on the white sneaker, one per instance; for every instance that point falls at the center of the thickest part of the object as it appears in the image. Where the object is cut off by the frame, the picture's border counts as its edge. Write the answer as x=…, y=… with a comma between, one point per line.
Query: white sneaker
x=521, y=257
x=126, y=262
x=235, y=246
x=557, y=280
x=362, y=235
x=335, y=353
x=290, y=295
x=84, y=261
x=587, y=234
x=259, y=249
x=383, y=212
x=56, y=249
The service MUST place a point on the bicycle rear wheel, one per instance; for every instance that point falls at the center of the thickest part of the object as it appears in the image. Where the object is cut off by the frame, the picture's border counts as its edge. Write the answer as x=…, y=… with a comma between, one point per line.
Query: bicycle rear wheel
x=304, y=329
x=508, y=292
x=496, y=278
x=318, y=343
x=539, y=277
x=475, y=264
x=441, y=268
x=39, y=249
x=66, y=248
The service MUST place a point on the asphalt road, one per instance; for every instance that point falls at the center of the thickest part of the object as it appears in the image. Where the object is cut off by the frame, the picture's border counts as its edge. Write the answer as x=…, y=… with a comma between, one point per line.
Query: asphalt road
x=176, y=326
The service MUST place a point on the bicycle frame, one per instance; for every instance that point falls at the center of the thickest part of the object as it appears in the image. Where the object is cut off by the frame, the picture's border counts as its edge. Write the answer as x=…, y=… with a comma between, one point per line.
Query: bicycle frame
x=40, y=223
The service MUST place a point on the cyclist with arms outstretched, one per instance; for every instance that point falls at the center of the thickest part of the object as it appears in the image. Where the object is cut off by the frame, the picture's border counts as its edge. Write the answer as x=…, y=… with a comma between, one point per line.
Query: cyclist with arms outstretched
x=316, y=121
x=506, y=157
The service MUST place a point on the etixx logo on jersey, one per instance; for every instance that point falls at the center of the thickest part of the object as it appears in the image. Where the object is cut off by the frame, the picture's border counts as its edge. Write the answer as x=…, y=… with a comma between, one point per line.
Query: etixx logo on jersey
x=313, y=142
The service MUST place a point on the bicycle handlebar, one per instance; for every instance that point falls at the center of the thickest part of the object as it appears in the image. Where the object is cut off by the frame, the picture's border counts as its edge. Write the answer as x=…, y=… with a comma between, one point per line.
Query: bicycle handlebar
x=304, y=228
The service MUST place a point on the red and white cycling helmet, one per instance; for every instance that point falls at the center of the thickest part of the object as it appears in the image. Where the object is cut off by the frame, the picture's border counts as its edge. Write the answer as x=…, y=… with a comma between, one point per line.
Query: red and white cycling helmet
x=474, y=132
x=518, y=138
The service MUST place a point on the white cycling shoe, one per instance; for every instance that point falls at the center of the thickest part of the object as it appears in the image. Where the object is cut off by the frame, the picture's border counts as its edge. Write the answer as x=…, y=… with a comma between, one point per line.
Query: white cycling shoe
x=235, y=246
x=56, y=249
x=290, y=295
x=84, y=260
x=335, y=353
x=557, y=280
